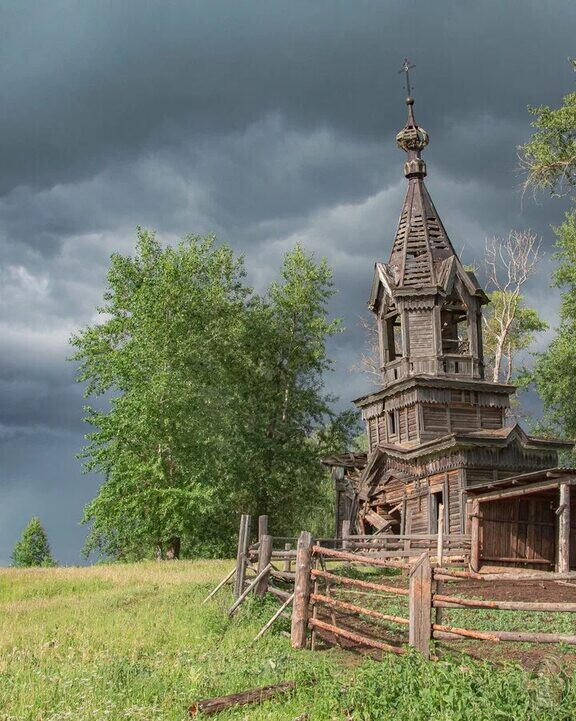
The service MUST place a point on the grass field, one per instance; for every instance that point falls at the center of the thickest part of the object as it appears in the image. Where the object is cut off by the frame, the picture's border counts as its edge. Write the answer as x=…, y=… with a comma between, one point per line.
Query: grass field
x=132, y=642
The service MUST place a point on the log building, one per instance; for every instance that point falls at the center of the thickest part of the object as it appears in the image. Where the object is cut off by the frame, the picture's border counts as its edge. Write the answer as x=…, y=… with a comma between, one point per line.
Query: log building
x=437, y=432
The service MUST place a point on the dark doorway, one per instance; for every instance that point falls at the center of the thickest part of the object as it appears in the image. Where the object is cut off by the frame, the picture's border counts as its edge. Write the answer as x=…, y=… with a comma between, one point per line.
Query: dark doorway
x=436, y=500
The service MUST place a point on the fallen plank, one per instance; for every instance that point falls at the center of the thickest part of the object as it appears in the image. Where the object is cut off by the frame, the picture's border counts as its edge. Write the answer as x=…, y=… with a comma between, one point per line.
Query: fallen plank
x=337, y=631
x=358, y=583
x=221, y=703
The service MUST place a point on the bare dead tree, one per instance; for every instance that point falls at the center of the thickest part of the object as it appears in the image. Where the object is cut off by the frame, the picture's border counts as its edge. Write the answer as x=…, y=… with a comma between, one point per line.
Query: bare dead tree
x=509, y=263
x=370, y=359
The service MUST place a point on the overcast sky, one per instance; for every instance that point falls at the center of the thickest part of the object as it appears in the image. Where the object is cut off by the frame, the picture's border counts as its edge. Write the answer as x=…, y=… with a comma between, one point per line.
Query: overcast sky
x=266, y=122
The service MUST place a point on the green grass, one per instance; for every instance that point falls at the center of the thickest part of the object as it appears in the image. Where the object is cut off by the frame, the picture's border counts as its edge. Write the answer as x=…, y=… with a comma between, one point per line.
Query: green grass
x=132, y=642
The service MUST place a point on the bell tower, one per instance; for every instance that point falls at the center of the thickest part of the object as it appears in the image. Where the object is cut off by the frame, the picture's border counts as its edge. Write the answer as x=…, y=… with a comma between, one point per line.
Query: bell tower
x=428, y=306
x=428, y=311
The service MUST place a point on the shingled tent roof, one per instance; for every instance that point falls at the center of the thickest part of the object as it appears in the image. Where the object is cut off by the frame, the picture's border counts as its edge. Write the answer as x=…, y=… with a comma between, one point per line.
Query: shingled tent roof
x=422, y=254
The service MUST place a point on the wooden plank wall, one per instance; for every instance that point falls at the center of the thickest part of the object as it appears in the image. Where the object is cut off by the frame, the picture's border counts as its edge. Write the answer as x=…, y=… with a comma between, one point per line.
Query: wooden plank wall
x=421, y=333
x=521, y=528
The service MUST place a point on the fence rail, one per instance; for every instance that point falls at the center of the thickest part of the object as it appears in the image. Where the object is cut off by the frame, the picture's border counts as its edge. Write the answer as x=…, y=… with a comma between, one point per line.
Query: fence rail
x=297, y=574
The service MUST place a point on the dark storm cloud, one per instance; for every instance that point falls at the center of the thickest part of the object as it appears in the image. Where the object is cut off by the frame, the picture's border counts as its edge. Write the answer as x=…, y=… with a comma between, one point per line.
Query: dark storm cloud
x=267, y=122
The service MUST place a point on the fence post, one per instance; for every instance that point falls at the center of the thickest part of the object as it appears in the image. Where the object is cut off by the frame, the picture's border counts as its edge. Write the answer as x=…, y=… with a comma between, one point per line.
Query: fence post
x=475, y=536
x=438, y=585
x=287, y=561
x=420, y=605
x=301, y=591
x=440, y=539
x=345, y=534
x=564, y=529
x=262, y=526
x=241, y=556
x=264, y=558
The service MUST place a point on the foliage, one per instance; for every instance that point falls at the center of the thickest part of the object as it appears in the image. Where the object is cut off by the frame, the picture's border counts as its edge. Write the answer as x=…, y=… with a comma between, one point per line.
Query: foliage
x=525, y=323
x=134, y=642
x=215, y=398
x=550, y=156
x=33, y=548
x=555, y=370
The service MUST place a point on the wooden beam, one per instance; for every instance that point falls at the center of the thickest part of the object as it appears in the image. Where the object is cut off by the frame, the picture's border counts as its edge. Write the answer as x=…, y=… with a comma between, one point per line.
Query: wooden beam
x=241, y=555
x=346, y=606
x=219, y=586
x=351, y=636
x=523, y=490
x=564, y=529
x=457, y=602
x=264, y=559
x=420, y=605
x=359, y=558
x=358, y=583
x=301, y=591
x=475, y=536
x=277, y=615
x=215, y=705
x=247, y=590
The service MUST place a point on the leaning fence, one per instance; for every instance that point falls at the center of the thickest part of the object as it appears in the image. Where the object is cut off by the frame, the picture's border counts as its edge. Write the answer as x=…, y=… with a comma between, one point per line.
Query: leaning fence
x=383, y=593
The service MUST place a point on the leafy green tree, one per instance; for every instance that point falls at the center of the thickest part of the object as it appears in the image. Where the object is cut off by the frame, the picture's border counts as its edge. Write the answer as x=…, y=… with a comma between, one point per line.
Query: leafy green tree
x=33, y=548
x=549, y=158
x=555, y=370
x=214, y=396
x=288, y=422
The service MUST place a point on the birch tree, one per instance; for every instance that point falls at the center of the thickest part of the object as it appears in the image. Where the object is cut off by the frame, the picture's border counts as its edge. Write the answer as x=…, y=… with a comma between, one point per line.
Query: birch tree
x=509, y=325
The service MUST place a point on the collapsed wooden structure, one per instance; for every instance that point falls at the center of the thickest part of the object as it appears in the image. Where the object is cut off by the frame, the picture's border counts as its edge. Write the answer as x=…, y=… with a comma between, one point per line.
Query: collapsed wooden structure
x=437, y=433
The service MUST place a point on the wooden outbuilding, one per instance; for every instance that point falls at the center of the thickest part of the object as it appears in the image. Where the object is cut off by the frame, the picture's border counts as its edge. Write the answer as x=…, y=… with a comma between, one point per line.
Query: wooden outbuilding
x=437, y=428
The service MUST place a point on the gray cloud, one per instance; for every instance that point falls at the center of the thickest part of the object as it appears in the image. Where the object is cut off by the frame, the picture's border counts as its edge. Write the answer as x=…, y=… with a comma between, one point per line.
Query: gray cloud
x=269, y=123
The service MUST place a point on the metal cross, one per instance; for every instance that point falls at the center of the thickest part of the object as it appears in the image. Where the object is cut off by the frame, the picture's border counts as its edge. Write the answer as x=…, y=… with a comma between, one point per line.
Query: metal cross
x=406, y=67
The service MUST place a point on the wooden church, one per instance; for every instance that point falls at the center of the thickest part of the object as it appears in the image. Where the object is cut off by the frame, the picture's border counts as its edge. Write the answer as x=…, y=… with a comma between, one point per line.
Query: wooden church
x=437, y=428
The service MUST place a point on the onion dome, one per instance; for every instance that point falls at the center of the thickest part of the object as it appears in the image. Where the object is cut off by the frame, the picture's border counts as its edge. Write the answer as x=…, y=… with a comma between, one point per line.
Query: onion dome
x=413, y=139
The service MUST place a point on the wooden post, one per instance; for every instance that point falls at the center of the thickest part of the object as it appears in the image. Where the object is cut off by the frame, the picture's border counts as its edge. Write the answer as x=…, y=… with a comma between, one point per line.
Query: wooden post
x=440, y=559
x=301, y=591
x=440, y=540
x=345, y=533
x=241, y=556
x=287, y=560
x=254, y=582
x=475, y=536
x=264, y=558
x=420, y=605
x=262, y=526
x=564, y=529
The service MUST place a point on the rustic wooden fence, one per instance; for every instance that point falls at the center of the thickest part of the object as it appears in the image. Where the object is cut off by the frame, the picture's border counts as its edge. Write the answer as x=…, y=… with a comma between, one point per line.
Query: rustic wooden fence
x=426, y=595
x=339, y=591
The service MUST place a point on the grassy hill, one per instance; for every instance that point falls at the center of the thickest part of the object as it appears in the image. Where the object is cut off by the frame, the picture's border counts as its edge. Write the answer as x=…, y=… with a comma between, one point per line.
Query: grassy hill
x=132, y=642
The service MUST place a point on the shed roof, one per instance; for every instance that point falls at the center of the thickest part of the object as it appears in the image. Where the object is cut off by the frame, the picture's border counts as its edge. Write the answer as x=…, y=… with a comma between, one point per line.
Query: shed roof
x=544, y=481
